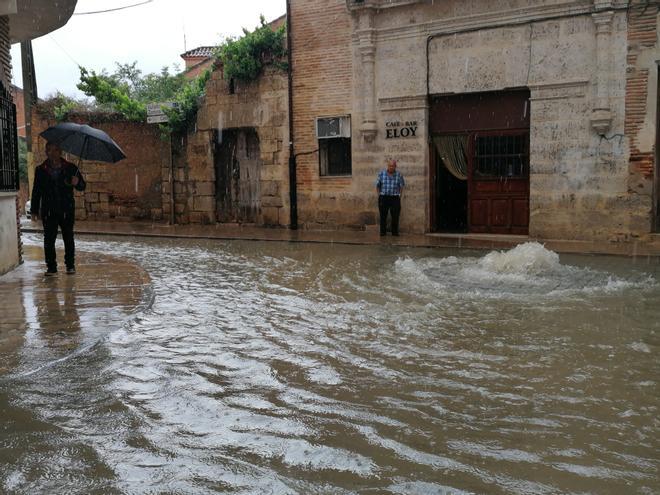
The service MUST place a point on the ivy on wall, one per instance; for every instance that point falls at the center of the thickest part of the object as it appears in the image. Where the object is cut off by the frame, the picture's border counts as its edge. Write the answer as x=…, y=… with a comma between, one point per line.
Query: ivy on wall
x=244, y=58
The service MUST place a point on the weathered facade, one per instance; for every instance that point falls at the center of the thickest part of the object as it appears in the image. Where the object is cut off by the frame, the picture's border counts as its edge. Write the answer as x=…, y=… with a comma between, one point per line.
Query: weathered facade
x=232, y=168
x=551, y=104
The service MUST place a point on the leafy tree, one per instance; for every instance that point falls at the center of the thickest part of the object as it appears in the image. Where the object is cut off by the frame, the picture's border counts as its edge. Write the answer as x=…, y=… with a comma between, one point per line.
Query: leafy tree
x=106, y=91
x=127, y=90
x=59, y=105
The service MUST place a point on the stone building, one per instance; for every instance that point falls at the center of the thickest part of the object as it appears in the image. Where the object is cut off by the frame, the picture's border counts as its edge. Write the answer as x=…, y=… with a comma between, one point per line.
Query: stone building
x=233, y=167
x=517, y=117
x=19, y=21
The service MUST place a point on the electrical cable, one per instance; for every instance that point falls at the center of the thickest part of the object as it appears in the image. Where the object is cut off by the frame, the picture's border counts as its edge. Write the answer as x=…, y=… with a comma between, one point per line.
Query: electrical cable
x=113, y=10
x=65, y=52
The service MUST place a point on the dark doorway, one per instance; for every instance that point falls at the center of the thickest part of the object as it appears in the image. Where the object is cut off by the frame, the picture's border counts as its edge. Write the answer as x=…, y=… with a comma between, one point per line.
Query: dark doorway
x=485, y=138
x=451, y=199
x=237, y=162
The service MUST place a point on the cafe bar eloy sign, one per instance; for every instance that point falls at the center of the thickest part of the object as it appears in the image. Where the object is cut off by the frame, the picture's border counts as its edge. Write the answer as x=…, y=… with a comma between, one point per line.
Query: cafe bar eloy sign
x=395, y=129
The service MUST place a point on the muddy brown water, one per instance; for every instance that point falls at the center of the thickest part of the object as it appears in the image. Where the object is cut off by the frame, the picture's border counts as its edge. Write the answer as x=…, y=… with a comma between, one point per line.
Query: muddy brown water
x=268, y=367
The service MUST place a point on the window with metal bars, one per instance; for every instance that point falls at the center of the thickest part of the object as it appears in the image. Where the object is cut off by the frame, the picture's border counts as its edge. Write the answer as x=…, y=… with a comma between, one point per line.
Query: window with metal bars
x=501, y=156
x=9, y=178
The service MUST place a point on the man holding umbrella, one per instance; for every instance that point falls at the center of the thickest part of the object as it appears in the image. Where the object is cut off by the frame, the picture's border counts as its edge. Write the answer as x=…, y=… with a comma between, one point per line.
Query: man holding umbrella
x=53, y=202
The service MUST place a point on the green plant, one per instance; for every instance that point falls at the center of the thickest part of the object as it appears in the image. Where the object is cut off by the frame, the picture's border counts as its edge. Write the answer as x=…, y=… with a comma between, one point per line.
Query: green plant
x=187, y=103
x=127, y=91
x=59, y=106
x=109, y=92
x=243, y=59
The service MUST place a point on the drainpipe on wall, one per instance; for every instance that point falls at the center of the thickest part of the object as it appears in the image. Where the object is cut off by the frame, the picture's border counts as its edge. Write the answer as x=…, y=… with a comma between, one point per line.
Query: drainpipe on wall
x=293, y=185
x=172, y=202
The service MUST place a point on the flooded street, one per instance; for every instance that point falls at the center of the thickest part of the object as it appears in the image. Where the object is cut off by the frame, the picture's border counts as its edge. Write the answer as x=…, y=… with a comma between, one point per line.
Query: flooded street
x=268, y=367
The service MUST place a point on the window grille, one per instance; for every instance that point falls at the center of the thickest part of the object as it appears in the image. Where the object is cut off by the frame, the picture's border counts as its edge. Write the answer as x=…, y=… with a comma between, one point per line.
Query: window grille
x=9, y=178
x=501, y=156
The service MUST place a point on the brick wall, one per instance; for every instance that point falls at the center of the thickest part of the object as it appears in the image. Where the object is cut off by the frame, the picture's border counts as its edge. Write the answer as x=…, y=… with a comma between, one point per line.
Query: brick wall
x=126, y=190
x=322, y=87
x=640, y=120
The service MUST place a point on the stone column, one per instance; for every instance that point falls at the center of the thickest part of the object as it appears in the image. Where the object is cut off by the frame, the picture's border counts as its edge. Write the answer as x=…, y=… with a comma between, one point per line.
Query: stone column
x=601, y=117
x=367, y=49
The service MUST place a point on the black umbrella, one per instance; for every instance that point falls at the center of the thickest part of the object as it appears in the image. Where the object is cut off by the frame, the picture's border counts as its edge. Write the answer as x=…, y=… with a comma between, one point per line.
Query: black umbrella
x=84, y=141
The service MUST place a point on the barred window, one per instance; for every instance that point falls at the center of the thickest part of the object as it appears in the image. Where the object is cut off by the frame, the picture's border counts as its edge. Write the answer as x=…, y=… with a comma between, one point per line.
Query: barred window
x=9, y=177
x=501, y=156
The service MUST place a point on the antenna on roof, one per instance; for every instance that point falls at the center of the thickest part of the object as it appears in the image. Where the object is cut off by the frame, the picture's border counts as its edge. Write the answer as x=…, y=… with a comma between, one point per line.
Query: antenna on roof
x=183, y=23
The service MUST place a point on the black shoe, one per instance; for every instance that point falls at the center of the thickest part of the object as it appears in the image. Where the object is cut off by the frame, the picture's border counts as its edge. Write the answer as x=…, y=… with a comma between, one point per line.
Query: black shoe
x=51, y=272
x=382, y=234
x=71, y=270
x=395, y=233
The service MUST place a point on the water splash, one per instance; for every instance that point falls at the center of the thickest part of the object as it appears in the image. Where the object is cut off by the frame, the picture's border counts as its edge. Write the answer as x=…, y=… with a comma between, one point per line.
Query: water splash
x=530, y=258
x=528, y=268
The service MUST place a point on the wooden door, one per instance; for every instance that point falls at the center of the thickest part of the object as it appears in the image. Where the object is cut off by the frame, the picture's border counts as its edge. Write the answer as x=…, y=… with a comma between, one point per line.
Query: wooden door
x=498, y=182
x=237, y=167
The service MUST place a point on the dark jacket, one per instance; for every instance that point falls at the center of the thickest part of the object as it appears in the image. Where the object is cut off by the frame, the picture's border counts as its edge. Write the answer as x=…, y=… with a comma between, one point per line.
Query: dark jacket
x=53, y=196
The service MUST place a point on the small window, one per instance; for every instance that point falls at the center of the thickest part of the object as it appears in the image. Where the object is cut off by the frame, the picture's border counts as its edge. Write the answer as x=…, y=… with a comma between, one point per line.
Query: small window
x=501, y=156
x=335, y=156
x=334, y=137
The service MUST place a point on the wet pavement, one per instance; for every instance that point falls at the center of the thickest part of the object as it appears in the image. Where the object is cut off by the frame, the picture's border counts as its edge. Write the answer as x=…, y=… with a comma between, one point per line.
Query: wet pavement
x=635, y=248
x=210, y=366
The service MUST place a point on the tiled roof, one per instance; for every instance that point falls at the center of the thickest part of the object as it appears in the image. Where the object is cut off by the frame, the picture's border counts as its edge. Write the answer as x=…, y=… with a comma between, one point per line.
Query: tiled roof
x=200, y=51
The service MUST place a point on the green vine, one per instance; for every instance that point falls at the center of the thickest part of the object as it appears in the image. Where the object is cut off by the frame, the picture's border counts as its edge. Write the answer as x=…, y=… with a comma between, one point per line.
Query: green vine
x=187, y=103
x=244, y=58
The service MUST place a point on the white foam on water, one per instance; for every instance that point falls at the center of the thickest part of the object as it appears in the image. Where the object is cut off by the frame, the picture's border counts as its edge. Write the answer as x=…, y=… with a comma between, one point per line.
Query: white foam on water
x=529, y=269
x=526, y=259
x=640, y=347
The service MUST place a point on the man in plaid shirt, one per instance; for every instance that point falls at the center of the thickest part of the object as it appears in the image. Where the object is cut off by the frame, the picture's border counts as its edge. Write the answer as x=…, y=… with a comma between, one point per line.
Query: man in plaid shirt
x=389, y=186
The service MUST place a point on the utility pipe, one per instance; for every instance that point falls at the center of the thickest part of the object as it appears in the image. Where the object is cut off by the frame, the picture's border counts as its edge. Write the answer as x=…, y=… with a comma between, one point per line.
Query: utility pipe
x=293, y=182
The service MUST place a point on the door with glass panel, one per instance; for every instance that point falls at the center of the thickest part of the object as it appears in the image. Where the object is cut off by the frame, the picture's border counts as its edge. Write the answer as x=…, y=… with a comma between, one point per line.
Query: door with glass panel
x=498, y=182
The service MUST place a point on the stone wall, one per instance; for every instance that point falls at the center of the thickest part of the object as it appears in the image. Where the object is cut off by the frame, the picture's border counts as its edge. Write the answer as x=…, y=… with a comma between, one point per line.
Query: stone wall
x=130, y=189
x=261, y=105
x=570, y=55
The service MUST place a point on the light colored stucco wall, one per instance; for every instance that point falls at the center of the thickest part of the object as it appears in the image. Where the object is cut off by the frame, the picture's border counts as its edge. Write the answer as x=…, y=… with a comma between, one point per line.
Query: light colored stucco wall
x=579, y=178
x=9, y=250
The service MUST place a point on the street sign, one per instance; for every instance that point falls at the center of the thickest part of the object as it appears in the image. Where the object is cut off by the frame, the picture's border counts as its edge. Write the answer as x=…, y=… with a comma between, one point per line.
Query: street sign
x=157, y=119
x=155, y=114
